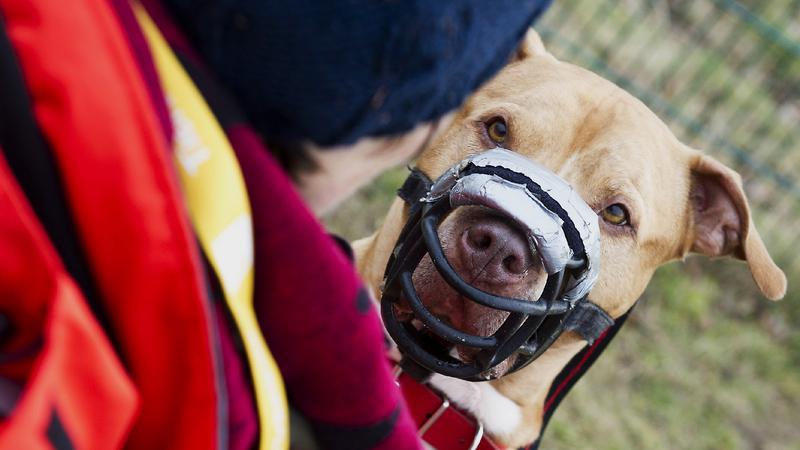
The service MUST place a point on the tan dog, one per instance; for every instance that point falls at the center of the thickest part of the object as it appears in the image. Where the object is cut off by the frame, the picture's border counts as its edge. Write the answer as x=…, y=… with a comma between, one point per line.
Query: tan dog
x=657, y=201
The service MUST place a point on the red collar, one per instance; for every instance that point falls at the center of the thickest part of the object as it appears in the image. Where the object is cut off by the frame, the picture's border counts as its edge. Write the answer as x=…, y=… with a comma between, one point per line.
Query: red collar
x=441, y=424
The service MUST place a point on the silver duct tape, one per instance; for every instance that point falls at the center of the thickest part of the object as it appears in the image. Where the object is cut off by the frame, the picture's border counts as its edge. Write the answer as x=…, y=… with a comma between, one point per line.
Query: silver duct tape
x=445, y=182
x=521, y=205
x=585, y=220
x=542, y=226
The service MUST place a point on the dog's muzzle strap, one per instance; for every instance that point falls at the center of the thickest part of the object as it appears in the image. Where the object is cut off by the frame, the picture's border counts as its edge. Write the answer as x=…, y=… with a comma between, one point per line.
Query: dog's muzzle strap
x=414, y=188
x=588, y=320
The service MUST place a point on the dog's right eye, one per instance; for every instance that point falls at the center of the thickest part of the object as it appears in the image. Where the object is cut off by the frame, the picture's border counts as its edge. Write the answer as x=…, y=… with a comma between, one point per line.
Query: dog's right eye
x=616, y=214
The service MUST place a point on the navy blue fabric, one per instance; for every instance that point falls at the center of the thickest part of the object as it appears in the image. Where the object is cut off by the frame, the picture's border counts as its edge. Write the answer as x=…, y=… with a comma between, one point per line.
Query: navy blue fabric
x=335, y=71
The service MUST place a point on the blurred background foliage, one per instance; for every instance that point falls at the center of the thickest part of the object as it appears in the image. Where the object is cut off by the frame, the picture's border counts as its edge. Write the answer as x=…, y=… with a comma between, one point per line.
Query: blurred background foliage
x=704, y=362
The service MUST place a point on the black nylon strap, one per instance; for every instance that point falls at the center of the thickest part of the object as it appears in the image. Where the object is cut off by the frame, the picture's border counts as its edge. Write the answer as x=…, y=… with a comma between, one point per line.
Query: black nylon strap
x=588, y=320
x=414, y=188
x=573, y=371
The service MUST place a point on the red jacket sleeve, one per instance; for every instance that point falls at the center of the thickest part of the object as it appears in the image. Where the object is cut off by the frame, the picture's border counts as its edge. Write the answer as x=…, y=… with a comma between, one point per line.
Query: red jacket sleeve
x=319, y=323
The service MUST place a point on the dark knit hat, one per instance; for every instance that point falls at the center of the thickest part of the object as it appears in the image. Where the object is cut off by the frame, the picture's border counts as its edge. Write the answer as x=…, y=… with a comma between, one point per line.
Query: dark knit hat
x=335, y=71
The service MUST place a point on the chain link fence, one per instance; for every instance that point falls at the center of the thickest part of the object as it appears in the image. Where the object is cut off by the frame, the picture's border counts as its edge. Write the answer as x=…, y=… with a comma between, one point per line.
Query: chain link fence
x=725, y=76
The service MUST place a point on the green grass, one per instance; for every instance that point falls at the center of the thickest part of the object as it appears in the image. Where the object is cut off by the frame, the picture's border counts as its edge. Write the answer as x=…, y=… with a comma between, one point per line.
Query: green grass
x=694, y=369
x=704, y=362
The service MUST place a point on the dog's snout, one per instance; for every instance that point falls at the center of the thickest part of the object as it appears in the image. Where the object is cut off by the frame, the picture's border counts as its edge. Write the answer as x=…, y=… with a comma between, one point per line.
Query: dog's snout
x=495, y=252
x=488, y=252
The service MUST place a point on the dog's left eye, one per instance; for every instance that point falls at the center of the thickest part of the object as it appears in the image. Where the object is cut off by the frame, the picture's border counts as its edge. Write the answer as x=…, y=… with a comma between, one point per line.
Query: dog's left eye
x=497, y=130
x=615, y=214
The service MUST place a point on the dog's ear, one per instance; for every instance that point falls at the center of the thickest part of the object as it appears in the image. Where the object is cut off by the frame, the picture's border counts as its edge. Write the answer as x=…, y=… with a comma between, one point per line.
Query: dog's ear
x=531, y=47
x=722, y=224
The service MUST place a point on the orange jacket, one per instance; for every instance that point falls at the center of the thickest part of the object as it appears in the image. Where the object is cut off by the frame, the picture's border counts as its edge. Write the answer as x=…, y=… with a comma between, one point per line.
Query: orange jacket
x=93, y=109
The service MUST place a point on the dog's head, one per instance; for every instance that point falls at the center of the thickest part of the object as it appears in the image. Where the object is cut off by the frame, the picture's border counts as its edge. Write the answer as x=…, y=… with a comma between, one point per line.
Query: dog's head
x=657, y=199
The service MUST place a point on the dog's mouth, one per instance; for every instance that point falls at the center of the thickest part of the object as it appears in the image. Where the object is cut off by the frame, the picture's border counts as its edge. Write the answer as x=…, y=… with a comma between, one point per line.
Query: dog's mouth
x=490, y=235
x=492, y=254
x=443, y=349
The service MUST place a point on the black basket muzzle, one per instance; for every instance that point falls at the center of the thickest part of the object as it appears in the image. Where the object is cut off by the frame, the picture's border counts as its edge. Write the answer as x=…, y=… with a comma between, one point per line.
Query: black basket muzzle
x=561, y=230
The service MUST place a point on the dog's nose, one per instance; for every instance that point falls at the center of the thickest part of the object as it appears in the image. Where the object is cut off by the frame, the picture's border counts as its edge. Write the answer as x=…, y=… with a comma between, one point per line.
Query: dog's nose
x=495, y=253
